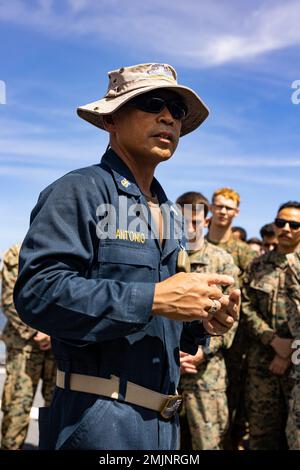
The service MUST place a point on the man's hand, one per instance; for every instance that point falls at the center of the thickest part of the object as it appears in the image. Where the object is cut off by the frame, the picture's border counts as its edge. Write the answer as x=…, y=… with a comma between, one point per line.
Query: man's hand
x=43, y=341
x=279, y=365
x=224, y=318
x=189, y=296
x=282, y=346
x=188, y=363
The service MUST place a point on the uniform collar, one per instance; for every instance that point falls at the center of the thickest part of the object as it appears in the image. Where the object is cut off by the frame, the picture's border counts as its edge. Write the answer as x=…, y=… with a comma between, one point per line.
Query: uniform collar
x=278, y=259
x=126, y=183
x=122, y=175
x=198, y=256
x=125, y=180
x=214, y=242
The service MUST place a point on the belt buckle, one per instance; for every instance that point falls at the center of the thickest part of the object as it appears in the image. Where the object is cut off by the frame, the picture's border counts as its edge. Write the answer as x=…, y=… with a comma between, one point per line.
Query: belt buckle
x=171, y=406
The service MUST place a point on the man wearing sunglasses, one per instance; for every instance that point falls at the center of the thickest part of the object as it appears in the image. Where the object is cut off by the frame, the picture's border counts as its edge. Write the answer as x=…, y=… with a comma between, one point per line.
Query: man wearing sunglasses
x=268, y=382
x=98, y=273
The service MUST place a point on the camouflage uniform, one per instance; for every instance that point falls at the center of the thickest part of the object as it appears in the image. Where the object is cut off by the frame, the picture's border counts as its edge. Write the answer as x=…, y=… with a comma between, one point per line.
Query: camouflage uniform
x=267, y=394
x=236, y=355
x=239, y=250
x=293, y=313
x=25, y=363
x=204, y=393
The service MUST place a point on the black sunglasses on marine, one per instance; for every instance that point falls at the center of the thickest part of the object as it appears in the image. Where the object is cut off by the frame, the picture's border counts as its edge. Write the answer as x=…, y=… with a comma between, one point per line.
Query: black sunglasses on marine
x=280, y=223
x=155, y=104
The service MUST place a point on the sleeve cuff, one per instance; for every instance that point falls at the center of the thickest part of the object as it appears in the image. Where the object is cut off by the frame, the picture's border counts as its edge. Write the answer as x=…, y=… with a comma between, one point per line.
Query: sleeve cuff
x=140, y=306
x=267, y=337
x=193, y=335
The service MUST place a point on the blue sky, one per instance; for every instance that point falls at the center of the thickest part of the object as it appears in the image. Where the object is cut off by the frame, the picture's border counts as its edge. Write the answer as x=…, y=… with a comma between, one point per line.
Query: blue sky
x=241, y=57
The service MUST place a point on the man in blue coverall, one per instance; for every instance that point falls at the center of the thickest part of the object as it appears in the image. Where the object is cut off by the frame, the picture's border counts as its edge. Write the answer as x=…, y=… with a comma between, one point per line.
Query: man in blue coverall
x=101, y=279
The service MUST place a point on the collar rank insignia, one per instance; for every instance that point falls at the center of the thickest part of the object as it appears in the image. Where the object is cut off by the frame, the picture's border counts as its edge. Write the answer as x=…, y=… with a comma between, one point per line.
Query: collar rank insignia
x=125, y=183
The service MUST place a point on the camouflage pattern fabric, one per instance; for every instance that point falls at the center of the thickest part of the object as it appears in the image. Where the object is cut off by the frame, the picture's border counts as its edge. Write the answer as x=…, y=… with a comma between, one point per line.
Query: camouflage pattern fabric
x=267, y=401
x=25, y=363
x=264, y=296
x=9, y=275
x=264, y=305
x=236, y=355
x=24, y=368
x=241, y=252
x=293, y=313
x=293, y=294
x=205, y=416
x=293, y=422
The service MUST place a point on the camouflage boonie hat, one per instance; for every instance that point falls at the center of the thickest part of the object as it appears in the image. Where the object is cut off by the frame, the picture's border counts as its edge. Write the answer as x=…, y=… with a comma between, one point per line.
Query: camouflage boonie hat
x=128, y=82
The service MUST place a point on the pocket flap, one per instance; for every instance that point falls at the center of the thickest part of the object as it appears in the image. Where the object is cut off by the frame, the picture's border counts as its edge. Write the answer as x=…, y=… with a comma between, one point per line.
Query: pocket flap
x=262, y=286
x=125, y=254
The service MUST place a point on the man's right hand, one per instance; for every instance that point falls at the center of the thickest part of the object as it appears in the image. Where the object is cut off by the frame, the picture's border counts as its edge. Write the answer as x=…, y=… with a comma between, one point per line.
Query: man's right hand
x=279, y=365
x=282, y=346
x=189, y=296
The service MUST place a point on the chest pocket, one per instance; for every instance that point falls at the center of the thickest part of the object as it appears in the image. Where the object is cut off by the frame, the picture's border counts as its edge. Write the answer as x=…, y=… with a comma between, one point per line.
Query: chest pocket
x=126, y=263
x=264, y=293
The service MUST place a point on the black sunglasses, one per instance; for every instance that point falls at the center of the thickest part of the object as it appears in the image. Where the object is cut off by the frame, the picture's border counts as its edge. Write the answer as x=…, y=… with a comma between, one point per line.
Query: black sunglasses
x=280, y=223
x=155, y=104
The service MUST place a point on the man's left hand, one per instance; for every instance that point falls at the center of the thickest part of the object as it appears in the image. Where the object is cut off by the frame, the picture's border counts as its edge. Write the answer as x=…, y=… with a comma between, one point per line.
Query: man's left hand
x=188, y=363
x=227, y=314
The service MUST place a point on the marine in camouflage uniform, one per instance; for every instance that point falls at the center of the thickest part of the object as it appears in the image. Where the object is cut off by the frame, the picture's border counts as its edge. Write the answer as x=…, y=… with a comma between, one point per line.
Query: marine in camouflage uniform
x=267, y=394
x=26, y=363
x=204, y=393
x=236, y=355
x=293, y=313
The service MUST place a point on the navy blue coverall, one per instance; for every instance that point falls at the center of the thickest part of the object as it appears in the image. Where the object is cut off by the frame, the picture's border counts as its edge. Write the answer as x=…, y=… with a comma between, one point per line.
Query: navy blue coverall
x=94, y=297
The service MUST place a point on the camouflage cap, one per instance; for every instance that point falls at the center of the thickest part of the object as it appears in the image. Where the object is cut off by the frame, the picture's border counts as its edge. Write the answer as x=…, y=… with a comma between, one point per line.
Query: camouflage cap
x=128, y=82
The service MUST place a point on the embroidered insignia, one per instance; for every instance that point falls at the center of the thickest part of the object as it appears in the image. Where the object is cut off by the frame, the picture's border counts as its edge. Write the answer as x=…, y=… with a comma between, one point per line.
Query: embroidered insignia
x=138, y=237
x=125, y=183
x=160, y=70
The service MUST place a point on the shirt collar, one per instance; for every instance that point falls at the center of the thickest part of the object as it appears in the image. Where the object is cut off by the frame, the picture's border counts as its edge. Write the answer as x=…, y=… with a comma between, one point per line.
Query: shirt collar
x=199, y=256
x=125, y=180
x=278, y=259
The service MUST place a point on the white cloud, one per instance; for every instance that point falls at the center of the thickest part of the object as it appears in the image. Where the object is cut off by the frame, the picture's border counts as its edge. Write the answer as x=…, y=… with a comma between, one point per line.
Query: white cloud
x=41, y=146
x=29, y=150
x=239, y=159
x=197, y=34
x=56, y=145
